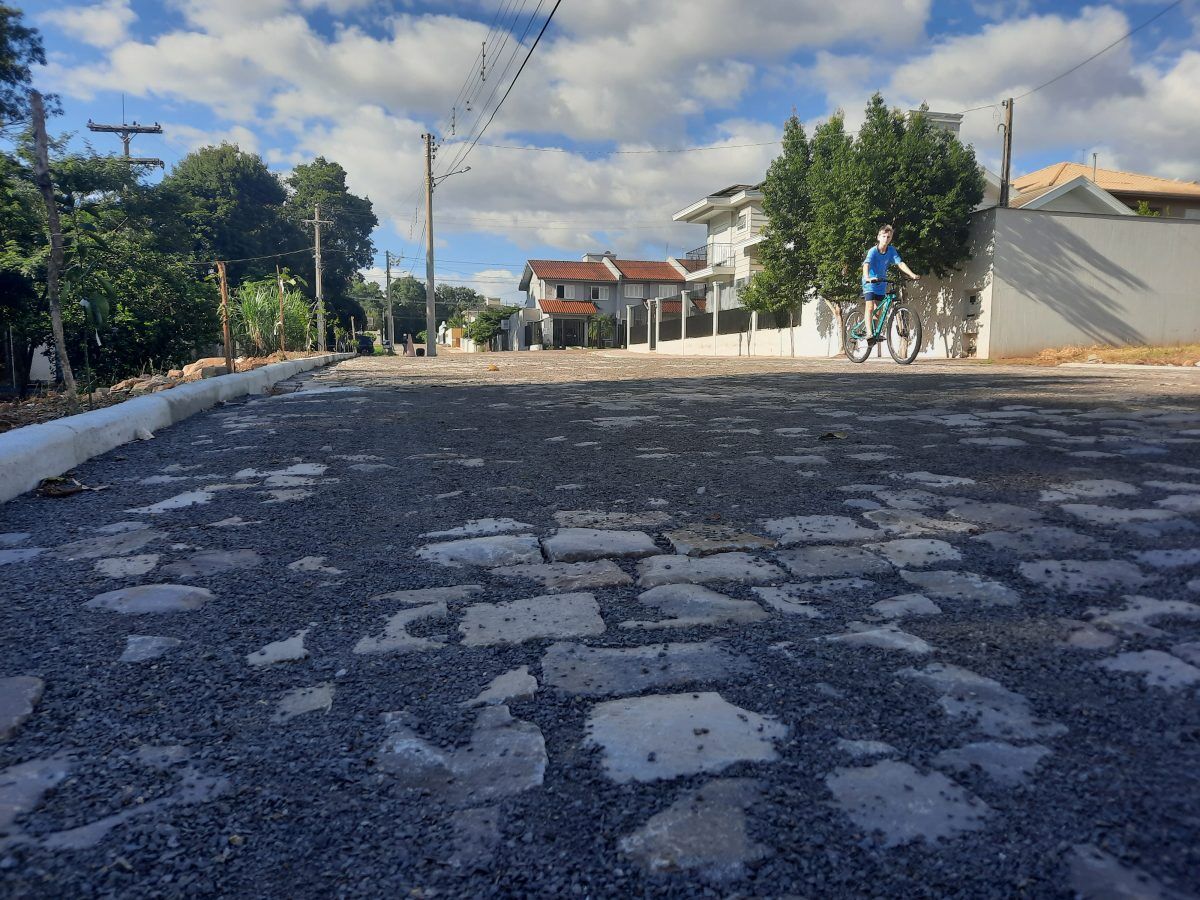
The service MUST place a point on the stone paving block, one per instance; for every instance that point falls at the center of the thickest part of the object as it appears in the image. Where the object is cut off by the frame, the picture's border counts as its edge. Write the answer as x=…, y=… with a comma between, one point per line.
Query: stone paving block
x=886, y=637
x=674, y=569
x=996, y=515
x=664, y=736
x=791, y=599
x=19, y=695
x=549, y=616
x=126, y=567
x=703, y=831
x=318, y=698
x=967, y=586
x=1137, y=614
x=903, y=805
x=595, y=518
x=569, y=576
x=816, y=529
x=211, y=562
x=688, y=605
x=477, y=527
x=582, y=544
x=987, y=705
x=701, y=540
x=1092, y=873
x=1111, y=515
x=505, y=757
x=396, y=638
x=601, y=671
x=1004, y=763
x=495, y=550
x=152, y=598
x=906, y=605
x=22, y=787
x=832, y=562
x=911, y=523
x=424, y=596
x=1081, y=577
x=287, y=650
x=145, y=647
x=916, y=552
x=118, y=544
x=1039, y=541
x=1158, y=669
x=516, y=684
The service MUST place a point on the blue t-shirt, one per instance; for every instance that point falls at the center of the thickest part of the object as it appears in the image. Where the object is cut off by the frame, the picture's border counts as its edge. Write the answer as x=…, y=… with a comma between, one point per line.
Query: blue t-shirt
x=877, y=265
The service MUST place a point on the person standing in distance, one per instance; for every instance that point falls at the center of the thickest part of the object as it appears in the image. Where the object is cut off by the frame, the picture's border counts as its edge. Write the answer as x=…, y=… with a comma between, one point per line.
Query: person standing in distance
x=874, y=278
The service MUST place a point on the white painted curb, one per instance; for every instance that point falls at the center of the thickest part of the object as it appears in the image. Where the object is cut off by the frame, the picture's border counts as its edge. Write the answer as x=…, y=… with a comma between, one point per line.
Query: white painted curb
x=34, y=452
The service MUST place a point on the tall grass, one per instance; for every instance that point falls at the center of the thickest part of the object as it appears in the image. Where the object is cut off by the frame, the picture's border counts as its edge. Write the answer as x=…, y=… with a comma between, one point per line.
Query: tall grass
x=256, y=319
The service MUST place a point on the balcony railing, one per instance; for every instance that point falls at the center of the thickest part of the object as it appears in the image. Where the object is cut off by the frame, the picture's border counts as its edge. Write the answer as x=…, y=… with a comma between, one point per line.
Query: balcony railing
x=714, y=254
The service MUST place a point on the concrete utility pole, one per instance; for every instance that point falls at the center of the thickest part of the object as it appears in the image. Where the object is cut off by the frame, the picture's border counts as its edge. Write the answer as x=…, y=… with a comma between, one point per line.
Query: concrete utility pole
x=127, y=132
x=391, y=324
x=316, y=222
x=1006, y=162
x=54, y=265
x=430, y=312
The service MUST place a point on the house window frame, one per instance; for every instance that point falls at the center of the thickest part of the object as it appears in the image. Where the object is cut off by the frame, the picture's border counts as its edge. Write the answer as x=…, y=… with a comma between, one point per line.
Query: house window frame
x=635, y=290
x=743, y=221
x=599, y=292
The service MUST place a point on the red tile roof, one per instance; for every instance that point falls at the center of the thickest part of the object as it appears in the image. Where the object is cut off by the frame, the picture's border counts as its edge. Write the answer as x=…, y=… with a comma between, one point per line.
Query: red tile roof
x=645, y=270
x=568, y=307
x=565, y=270
x=672, y=306
x=1112, y=180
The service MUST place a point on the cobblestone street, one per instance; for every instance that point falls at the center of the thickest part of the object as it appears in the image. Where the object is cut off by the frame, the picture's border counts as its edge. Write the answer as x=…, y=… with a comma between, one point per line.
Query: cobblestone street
x=599, y=624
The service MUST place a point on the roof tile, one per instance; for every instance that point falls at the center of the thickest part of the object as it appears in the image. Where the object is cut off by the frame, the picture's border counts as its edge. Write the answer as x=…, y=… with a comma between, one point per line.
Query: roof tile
x=1112, y=180
x=570, y=271
x=568, y=307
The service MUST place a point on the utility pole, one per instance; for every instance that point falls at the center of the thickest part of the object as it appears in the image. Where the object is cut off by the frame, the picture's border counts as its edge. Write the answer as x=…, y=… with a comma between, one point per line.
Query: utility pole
x=54, y=265
x=316, y=222
x=225, y=333
x=127, y=132
x=430, y=313
x=282, y=334
x=391, y=326
x=1006, y=162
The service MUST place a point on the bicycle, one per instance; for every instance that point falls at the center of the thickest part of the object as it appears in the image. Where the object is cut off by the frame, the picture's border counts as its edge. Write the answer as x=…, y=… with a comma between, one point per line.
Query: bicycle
x=901, y=323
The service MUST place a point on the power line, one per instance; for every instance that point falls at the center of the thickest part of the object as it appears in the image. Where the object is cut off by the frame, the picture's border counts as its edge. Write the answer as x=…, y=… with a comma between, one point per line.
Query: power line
x=623, y=152
x=1079, y=65
x=512, y=84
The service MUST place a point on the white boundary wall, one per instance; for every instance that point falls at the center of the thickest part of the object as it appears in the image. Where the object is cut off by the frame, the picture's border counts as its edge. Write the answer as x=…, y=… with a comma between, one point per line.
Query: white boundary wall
x=1069, y=279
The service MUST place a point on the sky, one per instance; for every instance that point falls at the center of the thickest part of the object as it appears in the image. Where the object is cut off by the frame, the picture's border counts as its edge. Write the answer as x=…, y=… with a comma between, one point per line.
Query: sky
x=359, y=82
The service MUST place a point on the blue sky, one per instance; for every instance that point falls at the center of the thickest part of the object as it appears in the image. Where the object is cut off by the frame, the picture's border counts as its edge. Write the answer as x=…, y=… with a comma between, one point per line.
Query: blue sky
x=358, y=81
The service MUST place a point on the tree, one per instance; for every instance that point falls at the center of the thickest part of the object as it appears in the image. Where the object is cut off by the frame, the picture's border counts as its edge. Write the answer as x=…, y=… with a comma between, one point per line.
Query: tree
x=487, y=324
x=455, y=298
x=1143, y=209
x=369, y=296
x=20, y=49
x=232, y=206
x=788, y=273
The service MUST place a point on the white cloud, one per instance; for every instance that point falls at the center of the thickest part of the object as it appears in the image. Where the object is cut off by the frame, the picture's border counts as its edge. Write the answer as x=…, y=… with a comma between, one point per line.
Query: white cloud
x=100, y=24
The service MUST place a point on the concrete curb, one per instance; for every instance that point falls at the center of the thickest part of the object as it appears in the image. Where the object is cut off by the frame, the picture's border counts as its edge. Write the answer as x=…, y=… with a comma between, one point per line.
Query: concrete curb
x=34, y=452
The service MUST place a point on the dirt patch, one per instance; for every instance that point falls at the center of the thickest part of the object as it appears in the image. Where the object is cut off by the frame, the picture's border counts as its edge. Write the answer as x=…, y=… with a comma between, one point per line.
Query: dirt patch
x=51, y=406
x=1178, y=355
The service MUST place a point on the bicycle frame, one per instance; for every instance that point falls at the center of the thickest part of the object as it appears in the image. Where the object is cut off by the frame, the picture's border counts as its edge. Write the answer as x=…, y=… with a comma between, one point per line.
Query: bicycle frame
x=892, y=297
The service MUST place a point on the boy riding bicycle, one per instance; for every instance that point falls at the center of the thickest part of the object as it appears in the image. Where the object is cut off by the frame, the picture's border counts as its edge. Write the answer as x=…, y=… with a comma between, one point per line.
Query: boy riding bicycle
x=874, y=277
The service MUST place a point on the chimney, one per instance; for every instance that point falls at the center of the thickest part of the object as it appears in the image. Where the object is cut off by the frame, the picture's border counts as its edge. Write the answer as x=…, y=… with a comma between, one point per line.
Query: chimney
x=598, y=257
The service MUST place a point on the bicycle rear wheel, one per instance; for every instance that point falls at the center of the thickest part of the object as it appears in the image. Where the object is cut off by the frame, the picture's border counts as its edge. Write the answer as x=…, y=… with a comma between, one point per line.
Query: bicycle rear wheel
x=904, y=335
x=857, y=347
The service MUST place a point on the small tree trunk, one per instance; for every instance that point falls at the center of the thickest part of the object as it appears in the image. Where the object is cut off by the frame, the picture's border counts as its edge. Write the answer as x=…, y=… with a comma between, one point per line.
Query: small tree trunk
x=41, y=174
x=836, y=310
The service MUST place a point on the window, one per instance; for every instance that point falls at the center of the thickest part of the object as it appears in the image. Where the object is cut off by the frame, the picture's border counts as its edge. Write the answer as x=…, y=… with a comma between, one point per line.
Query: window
x=633, y=291
x=741, y=221
x=599, y=292
x=560, y=291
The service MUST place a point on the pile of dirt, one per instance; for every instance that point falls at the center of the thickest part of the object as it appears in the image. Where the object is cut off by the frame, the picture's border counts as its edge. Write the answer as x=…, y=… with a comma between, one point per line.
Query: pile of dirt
x=1178, y=355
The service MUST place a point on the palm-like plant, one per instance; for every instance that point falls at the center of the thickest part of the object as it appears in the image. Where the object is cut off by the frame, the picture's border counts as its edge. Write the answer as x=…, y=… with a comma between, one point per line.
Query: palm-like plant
x=256, y=317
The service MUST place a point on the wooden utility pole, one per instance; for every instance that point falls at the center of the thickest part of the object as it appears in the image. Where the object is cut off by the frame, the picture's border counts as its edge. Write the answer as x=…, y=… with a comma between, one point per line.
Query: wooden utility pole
x=127, y=132
x=430, y=313
x=54, y=265
x=316, y=222
x=282, y=335
x=1006, y=161
x=390, y=329
x=225, y=332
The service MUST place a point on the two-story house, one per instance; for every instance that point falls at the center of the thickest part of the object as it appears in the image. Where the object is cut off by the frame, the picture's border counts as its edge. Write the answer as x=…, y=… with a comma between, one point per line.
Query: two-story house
x=562, y=296
x=724, y=265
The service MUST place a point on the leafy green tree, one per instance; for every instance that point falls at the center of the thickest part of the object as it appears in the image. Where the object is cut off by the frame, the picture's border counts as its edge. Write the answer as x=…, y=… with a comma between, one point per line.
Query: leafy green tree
x=600, y=327
x=788, y=273
x=232, y=207
x=20, y=49
x=454, y=298
x=486, y=324
x=1143, y=209
x=369, y=296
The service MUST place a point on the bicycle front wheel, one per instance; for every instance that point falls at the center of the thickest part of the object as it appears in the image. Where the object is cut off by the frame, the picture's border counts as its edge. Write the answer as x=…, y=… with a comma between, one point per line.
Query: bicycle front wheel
x=904, y=335
x=857, y=346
